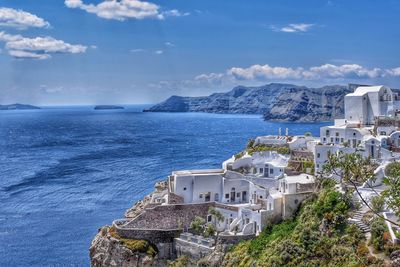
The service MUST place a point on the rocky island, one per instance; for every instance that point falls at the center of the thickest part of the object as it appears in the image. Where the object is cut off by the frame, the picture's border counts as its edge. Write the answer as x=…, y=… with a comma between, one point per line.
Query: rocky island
x=17, y=106
x=279, y=202
x=275, y=101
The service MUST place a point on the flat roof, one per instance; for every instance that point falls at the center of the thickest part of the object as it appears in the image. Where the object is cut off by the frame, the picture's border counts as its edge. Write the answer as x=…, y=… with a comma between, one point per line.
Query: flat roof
x=198, y=172
x=302, y=178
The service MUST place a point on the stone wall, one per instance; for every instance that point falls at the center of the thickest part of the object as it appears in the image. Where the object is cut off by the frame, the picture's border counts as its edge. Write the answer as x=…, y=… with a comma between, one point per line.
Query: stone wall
x=152, y=235
x=167, y=217
x=174, y=199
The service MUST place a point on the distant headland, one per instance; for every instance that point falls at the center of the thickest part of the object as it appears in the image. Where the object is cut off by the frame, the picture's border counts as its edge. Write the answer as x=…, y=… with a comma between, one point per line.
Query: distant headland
x=17, y=106
x=275, y=101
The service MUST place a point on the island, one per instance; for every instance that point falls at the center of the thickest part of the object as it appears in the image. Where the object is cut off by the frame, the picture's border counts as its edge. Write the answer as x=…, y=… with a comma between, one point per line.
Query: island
x=105, y=107
x=18, y=106
x=275, y=101
x=283, y=200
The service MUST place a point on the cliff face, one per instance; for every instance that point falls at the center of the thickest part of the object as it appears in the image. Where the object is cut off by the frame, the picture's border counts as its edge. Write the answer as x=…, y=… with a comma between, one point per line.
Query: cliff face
x=107, y=250
x=285, y=102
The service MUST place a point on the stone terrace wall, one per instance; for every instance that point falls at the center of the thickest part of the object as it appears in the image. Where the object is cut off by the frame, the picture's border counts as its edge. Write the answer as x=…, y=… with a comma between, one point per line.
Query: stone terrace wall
x=167, y=217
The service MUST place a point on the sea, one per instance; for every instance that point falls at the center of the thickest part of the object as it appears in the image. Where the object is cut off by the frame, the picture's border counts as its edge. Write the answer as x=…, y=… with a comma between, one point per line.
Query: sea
x=67, y=171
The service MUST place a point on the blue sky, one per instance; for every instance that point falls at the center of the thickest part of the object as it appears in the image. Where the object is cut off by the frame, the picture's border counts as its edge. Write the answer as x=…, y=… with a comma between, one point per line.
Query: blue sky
x=131, y=51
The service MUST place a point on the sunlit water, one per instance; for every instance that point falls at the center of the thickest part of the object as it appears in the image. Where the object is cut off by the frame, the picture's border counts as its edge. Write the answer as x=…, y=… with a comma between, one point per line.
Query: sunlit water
x=65, y=172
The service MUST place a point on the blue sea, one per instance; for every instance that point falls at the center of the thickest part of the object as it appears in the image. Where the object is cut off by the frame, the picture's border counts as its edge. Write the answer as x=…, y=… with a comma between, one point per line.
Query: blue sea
x=67, y=171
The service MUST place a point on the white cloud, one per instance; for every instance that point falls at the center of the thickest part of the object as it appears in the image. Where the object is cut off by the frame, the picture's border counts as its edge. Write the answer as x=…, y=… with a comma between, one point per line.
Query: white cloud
x=266, y=73
x=38, y=47
x=159, y=52
x=137, y=50
x=124, y=9
x=395, y=72
x=169, y=44
x=293, y=28
x=20, y=19
x=175, y=13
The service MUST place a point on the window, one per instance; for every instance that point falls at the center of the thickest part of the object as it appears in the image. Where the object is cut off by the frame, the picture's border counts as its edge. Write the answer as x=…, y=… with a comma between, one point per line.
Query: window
x=337, y=134
x=201, y=196
x=270, y=206
x=331, y=139
x=327, y=132
x=209, y=218
x=261, y=170
x=354, y=134
x=318, y=155
x=296, y=201
x=260, y=196
x=184, y=189
x=238, y=194
x=216, y=197
x=324, y=139
x=226, y=195
x=341, y=140
x=271, y=171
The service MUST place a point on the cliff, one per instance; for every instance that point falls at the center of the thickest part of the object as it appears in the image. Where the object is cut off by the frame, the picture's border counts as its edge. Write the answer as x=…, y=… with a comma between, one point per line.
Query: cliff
x=282, y=102
x=108, y=249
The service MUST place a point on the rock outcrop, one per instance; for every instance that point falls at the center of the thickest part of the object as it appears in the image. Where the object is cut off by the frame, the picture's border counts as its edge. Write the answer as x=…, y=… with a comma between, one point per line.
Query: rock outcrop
x=107, y=250
x=282, y=102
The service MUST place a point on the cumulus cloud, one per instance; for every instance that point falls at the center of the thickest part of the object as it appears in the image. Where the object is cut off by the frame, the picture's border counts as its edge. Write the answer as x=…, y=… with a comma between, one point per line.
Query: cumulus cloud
x=124, y=9
x=20, y=19
x=293, y=28
x=159, y=52
x=266, y=73
x=38, y=47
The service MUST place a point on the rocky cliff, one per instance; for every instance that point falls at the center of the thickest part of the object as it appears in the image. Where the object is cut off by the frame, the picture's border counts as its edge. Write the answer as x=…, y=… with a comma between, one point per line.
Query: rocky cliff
x=283, y=102
x=108, y=249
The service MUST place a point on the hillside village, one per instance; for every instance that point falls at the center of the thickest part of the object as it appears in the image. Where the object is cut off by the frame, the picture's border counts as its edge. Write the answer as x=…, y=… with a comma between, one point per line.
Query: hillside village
x=268, y=181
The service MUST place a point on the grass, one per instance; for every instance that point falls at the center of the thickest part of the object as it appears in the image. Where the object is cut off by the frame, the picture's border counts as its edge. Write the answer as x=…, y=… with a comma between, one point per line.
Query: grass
x=134, y=245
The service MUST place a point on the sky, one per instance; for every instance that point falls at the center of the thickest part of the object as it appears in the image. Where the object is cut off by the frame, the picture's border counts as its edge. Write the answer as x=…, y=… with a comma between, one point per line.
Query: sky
x=77, y=52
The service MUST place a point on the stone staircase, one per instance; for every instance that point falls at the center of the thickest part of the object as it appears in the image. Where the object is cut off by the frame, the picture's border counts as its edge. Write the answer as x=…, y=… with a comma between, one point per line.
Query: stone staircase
x=356, y=219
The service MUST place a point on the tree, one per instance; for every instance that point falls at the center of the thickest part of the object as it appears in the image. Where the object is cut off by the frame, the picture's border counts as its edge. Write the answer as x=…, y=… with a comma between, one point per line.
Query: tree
x=217, y=215
x=209, y=230
x=354, y=169
x=392, y=180
x=197, y=225
x=308, y=134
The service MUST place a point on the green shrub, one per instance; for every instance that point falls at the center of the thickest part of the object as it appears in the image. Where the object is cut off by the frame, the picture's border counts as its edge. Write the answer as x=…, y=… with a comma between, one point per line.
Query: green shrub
x=303, y=241
x=378, y=203
x=209, y=230
x=181, y=261
x=197, y=225
x=378, y=229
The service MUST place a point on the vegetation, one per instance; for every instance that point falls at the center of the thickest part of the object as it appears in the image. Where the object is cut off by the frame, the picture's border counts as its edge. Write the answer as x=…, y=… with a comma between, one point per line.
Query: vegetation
x=378, y=203
x=181, y=261
x=197, y=225
x=353, y=169
x=317, y=236
x=262, y=147
x=308, y=134
x=392, y=180
x=209, y=230
x=135, y=245
x=378, y=234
